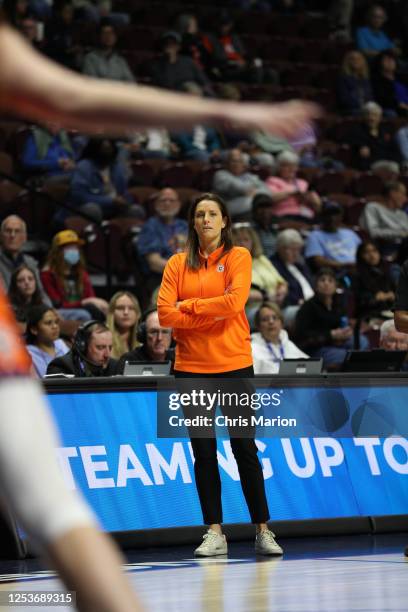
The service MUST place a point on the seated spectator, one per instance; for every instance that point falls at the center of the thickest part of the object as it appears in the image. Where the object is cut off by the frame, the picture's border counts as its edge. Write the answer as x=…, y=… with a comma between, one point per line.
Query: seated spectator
x=155, y=339
x=202, y=142
x=322, y=328
x=172, y=70
x=67, y=282
x=373, y=144
x=237, y=186
x=340, y=15
x=372, y=39
x=193, y=43
x=393, y=340
x=402, y=140
x=387, y=220
x=123, y=318
x=106, y=62
x=151, y=144
x=48, y=151
x=268, y=144
x=305, y=146
x=264, y=6
x=32, y=31
x=97, y=10
x=332, y=246
x=13, y=236
x=390, y=93
x=90, y=354
x=354, y=85
x=42, y=338
x=162, y=235
x=373, y=287
x=289, y=263
x=291, y=195
x=85, y=10
x=59, y=36
x=24, y=291
x=16, y=11
x=229, y=56
x=270, y=343
x=99, y=183
x=267, y=283
x=263, y=222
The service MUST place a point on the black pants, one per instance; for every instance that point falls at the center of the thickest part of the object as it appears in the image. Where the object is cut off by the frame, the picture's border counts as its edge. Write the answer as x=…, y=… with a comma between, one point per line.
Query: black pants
x=207, y=475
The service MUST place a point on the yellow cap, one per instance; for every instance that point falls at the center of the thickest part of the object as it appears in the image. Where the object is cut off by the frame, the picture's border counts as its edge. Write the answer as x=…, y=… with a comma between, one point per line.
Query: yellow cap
x=66, y=237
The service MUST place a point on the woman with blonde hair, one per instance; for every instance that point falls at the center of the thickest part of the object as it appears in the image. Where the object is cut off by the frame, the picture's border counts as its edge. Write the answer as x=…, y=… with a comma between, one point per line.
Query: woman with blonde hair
x=67, y=282
x=123, y=317
x=267, y=283
x=354, y=85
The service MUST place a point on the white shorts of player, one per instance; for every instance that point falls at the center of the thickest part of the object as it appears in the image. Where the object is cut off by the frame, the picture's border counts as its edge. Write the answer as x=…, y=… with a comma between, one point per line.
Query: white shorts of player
x=30, y=478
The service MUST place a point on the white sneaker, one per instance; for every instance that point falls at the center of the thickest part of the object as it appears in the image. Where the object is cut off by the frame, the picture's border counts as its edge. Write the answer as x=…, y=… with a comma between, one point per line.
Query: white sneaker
x=265, y=544
x=213, y=544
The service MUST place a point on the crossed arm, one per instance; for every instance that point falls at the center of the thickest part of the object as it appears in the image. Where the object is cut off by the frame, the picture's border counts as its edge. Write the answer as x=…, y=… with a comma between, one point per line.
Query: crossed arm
x=203, y=312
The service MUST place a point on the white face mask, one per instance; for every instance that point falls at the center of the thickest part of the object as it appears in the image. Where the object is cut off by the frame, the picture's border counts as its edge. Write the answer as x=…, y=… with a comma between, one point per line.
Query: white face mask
x=71, y=256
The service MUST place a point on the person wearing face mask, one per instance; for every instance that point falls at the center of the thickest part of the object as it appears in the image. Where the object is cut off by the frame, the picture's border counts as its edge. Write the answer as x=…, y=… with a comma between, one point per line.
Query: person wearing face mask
x=67, y=282
x=99, y=183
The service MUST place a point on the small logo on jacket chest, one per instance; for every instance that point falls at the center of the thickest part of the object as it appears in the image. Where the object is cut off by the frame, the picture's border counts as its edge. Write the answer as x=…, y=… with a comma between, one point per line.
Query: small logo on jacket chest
x=220, y=268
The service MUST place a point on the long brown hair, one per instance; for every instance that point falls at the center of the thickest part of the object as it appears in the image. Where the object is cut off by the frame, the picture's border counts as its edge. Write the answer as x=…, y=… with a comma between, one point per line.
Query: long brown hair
x=16, y=297
x=193, y=245
x=56, y=263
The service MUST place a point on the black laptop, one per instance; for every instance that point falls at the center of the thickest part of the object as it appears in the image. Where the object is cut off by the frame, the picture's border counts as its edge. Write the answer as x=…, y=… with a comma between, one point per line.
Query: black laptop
x=376, y=360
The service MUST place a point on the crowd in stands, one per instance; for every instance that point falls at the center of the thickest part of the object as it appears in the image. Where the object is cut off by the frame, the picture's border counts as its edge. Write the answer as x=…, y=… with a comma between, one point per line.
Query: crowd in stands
x=325, y=215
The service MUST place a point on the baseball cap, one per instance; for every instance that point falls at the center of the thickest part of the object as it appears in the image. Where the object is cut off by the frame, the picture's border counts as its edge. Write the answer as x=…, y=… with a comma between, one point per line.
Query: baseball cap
x=331, y=208
x=66, y=237
x=171, y=35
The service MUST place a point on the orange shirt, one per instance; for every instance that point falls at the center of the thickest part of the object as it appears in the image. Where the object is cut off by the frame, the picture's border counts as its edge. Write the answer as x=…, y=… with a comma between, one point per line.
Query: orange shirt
x=210, y=325
x=14, y=359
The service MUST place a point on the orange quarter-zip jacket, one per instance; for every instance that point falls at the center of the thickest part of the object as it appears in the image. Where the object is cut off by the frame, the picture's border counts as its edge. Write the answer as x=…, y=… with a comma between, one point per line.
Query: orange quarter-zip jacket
x=209, y=325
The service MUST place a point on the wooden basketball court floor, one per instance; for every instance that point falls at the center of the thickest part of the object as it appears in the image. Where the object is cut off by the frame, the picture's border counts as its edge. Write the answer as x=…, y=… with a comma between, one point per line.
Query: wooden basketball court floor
x=348, y=573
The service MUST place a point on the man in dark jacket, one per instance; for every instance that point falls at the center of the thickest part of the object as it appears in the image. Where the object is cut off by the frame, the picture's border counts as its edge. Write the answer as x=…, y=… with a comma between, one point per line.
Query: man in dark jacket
x=90, y=354
x=172, y=70
x=155, y=340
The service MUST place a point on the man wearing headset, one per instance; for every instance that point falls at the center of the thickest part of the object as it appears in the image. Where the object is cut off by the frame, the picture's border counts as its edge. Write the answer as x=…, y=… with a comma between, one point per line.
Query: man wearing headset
x=90, y=354
x=155, y=340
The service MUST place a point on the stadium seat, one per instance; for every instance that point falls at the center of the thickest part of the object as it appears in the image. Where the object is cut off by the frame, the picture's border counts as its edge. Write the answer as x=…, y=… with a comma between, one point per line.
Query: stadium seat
x=330, y=182
x=352, y=213
x=367, y=184
x=142, y=173
x=177, y=174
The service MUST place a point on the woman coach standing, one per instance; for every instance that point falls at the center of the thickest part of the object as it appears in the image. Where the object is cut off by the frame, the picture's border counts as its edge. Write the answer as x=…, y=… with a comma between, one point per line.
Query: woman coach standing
x=202, y=297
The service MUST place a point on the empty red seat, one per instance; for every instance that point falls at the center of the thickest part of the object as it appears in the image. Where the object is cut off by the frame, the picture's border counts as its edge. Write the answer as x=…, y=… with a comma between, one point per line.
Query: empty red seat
x=177, y=174
x=367, y=184
x=143, y=173
x=331, y=182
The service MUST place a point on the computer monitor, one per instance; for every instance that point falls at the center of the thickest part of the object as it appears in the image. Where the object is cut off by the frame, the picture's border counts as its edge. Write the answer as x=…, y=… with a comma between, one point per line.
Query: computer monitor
x=376, y=360
x=147, y=368
x=290, y=367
